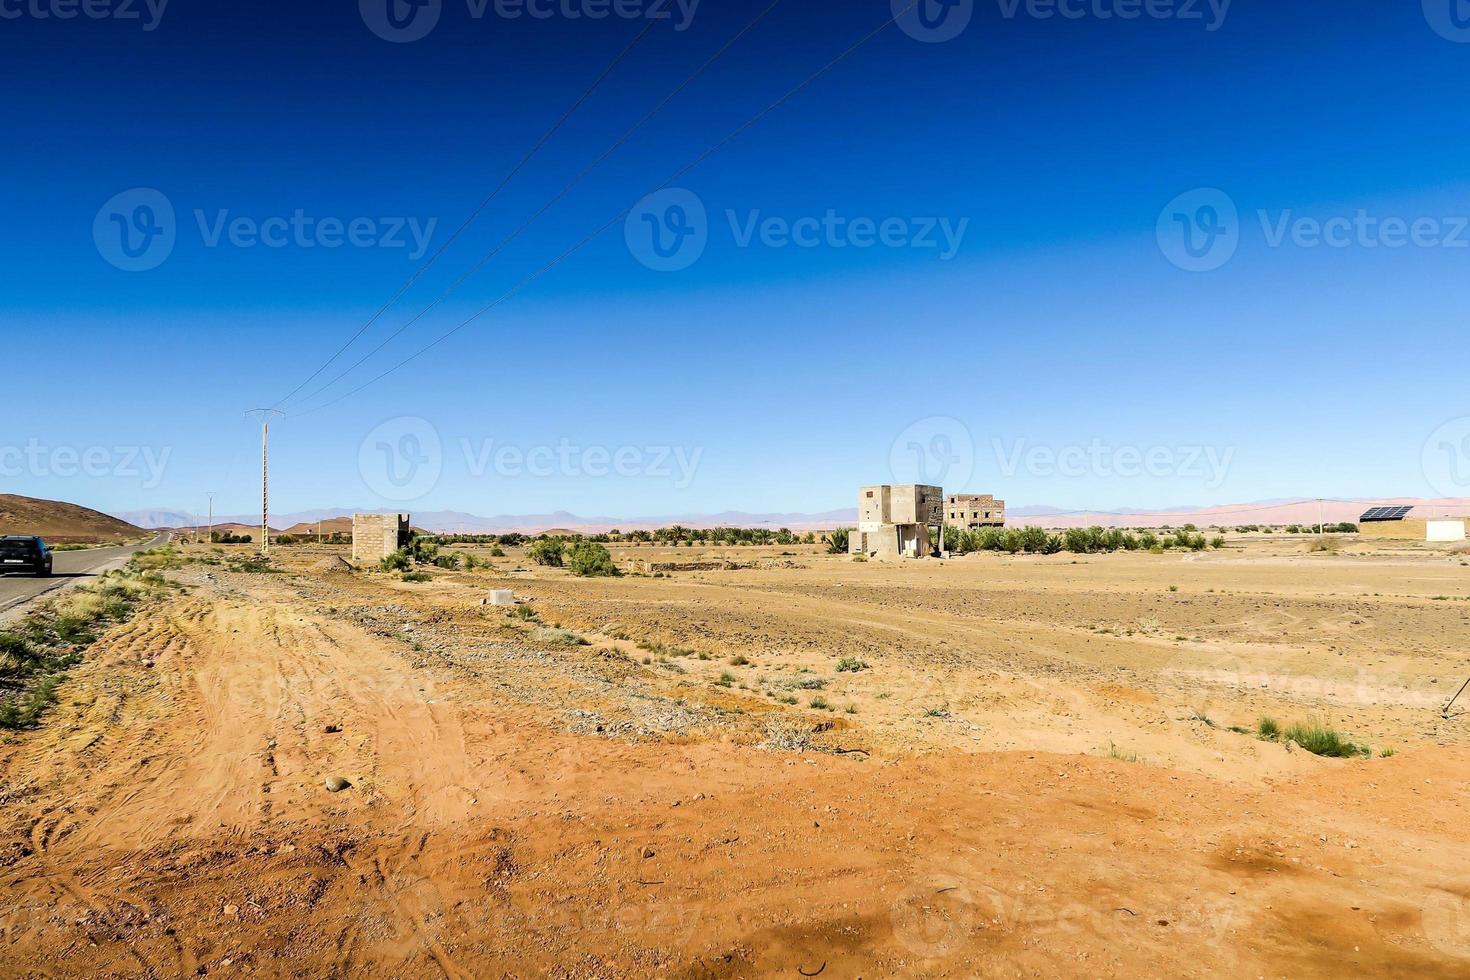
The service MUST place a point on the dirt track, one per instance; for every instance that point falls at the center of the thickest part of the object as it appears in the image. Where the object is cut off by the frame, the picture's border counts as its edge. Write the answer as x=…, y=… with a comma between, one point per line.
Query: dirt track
x=519, y=806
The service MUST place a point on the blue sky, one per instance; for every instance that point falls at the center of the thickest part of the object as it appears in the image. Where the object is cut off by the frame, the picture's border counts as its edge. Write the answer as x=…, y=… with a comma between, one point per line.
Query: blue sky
x=764, y=375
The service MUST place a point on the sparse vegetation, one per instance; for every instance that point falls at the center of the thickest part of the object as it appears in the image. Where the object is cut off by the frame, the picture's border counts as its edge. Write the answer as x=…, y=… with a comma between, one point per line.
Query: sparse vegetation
x=417, y=577
x=1320, y=740
x=550, y=552
x=1116, y=753
x=850, y=665
x=589, y=559
x=35, y=655
x=1268, y=729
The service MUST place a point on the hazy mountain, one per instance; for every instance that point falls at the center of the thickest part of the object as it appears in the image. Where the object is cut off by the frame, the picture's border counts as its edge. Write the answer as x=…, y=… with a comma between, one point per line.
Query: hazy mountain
x=460, y=522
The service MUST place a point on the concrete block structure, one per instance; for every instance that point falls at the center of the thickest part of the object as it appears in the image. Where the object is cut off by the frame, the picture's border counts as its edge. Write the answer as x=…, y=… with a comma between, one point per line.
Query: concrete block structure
x=895, y=521
x=972, y=511
x=1412, y=523
x=376, y=536
x=1444, y=530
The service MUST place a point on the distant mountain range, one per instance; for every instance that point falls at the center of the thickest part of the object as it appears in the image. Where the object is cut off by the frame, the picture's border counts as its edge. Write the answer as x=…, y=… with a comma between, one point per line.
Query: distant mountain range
x=459, y=522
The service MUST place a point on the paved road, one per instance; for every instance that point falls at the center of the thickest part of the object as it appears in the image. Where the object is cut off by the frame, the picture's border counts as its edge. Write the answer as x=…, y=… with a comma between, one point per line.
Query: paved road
x=71, y=568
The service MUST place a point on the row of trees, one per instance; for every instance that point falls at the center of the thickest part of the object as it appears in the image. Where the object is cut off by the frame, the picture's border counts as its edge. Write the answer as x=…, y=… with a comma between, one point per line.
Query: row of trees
x=1039, y=541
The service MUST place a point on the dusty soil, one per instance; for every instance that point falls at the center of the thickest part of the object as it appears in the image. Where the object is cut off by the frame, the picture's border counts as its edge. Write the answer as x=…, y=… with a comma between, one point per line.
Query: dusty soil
x=530, y=797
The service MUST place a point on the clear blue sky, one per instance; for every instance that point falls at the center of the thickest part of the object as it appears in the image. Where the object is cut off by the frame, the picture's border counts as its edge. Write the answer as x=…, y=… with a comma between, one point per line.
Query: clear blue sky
x=784, y=374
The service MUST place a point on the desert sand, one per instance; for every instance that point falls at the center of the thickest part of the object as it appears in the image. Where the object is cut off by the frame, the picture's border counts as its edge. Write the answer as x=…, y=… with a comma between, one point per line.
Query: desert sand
x=1031, y=771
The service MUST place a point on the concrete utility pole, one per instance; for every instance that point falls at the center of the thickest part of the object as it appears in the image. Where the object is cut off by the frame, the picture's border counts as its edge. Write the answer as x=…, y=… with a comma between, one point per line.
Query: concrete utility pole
x=266, y=414
x=210, y=495
x=1321, y=523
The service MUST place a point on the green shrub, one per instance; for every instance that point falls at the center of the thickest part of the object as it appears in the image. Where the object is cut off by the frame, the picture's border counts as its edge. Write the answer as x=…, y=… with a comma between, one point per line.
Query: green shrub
x=838, y=541
x=1267, y=728
x=417, y=577
x=850, y=665
x=548, y=551
x=398, y=561
x=588, y=559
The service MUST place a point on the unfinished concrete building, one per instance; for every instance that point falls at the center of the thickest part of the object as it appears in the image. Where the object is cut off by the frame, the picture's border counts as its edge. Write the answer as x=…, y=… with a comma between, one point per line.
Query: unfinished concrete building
x=376, y=536
x=896, y=521
x=971, y=511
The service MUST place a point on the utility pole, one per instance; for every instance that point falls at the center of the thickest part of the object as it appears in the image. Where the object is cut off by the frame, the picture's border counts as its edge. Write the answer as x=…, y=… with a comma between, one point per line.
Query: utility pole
x=266, y=414
x=1321, y=523
x=210, y=495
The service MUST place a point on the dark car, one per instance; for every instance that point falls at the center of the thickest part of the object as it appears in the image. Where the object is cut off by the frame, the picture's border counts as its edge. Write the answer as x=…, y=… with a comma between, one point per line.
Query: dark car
x=25, y=554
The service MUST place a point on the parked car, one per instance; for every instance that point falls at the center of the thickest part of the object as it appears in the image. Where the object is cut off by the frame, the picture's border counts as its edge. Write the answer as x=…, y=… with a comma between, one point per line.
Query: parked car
x=25, y=554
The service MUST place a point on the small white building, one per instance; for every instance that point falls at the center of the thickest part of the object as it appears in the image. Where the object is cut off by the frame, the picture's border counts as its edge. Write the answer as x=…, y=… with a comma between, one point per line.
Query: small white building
x=1444, y=530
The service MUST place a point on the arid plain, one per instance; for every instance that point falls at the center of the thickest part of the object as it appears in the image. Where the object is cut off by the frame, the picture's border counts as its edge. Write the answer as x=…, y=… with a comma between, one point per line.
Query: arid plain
x=738, y=761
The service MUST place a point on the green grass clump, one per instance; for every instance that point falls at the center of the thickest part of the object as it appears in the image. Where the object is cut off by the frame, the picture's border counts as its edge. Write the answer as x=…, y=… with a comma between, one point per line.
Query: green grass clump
x=417, y=577
x=1320, y=740
x=1267, y=728
x=820, y=703
x=850, y=665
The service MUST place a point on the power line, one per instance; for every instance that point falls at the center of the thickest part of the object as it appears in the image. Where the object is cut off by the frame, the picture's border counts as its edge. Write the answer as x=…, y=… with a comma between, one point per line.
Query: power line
x=570, y=186
x=525, y=159
x=533, y=277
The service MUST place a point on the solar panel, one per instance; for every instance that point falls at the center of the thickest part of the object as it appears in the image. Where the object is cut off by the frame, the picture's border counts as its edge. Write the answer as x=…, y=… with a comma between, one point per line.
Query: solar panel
x=1396, y=513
